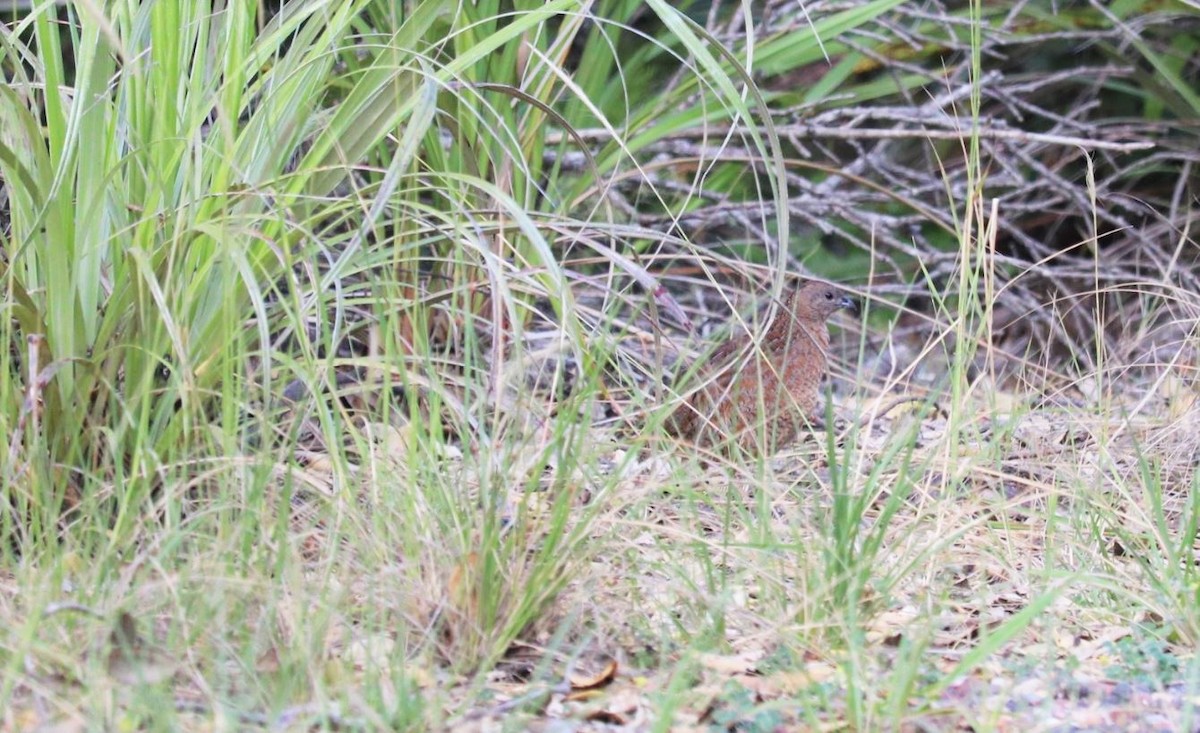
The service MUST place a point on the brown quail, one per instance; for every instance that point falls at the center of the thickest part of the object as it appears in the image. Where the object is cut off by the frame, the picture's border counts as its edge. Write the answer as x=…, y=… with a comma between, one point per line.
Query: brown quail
x=770, y=392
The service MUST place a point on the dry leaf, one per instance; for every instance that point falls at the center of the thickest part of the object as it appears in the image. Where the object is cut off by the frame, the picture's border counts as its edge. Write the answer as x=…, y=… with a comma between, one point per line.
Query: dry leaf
x=889, y=626
x=598, y=678
x=731, y=664
x=319, y=467
x=623, y=707
x=373, y=652
x=797, y=680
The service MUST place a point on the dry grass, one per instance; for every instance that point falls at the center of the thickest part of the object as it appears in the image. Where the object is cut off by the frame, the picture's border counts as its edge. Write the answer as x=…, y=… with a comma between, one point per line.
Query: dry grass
x=925, y=568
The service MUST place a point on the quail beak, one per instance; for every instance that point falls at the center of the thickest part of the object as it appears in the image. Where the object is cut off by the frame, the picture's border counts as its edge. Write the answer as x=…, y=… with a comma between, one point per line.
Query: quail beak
x=848, y=303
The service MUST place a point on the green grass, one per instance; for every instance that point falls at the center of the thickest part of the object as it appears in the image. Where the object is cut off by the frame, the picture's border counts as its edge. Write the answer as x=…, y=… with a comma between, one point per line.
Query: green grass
x=457, y=238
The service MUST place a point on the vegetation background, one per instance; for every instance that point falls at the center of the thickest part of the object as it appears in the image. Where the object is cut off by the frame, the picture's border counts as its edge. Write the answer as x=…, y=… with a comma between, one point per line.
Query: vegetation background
x=340, y=336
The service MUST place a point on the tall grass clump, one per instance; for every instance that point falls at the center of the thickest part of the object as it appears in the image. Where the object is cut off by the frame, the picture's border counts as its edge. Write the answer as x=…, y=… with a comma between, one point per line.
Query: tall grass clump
x=326, y=296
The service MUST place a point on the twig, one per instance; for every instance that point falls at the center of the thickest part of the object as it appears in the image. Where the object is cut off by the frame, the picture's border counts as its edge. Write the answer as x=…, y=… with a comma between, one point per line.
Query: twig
x=843, y=133
x=888, y=407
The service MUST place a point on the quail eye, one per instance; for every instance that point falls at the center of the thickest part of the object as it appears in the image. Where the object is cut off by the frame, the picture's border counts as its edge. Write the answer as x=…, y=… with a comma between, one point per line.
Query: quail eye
x=828, y=296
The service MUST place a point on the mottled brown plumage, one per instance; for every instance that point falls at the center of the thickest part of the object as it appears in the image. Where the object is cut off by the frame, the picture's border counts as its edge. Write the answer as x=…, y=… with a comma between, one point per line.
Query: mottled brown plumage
x=764, y=388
